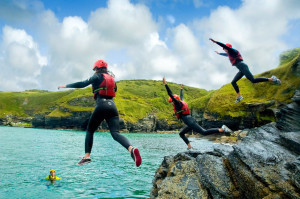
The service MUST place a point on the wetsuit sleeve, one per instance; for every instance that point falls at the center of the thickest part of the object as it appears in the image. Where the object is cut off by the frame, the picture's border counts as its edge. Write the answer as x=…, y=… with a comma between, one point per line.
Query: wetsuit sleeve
x=47, y=177
x=177, y=102
x=84, y=83
x=222, y=45
x=224, y=54
x=231, y=51
x=181, y=94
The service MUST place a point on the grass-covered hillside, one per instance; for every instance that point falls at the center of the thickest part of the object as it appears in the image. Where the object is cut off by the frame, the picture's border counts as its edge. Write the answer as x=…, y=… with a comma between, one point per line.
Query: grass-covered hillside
x=136, y=99
x=222, y=100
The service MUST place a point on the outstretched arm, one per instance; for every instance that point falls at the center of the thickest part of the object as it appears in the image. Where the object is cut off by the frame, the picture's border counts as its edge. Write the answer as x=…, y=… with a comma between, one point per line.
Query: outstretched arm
x=75, y=85
x=168, y=89
x=81, y=84
x=176, y=101
x=223, y=54
x=212, y=40
x=181, y=92
x=219, y=43
x=230, y=50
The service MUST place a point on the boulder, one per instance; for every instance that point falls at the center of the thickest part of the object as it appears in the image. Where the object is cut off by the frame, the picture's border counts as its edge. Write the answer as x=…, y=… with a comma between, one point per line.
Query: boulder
x=264, y=164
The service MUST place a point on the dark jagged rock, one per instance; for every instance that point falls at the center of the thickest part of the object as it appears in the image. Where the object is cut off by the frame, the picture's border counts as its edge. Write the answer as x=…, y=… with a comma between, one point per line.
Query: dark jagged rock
x=250, y=121
x=265, y=164
x=289, y=116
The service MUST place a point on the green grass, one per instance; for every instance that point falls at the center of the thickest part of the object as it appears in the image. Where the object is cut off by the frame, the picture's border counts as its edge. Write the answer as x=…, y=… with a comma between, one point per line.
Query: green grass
x=26, y=102
x=222, y=100
x=137, y=99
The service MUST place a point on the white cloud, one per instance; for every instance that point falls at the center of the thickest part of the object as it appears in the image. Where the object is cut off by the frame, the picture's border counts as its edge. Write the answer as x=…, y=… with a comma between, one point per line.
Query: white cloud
x=122, y=23
x=21, y=62
x=255, y=29
x=127, y=37
x=75, y=44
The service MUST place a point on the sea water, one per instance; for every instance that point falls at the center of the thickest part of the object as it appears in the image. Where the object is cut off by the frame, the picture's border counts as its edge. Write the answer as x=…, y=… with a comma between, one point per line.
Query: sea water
x=28, y=154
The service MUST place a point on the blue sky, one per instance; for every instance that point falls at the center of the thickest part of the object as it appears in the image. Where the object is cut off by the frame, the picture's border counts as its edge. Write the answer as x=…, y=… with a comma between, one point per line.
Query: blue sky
x=46, y=43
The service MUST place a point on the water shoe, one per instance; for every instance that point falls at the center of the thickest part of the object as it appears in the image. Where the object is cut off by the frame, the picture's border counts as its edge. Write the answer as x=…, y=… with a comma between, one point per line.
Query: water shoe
x=276, y=80
x=84, y=161
x=238, y=99
x=135, y=154
x=227, y=130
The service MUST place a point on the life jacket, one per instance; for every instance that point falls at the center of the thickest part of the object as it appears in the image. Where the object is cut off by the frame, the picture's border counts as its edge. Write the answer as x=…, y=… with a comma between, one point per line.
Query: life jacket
x=107, y=86
x=51, y=178
x=184, y=110
x=236, y=59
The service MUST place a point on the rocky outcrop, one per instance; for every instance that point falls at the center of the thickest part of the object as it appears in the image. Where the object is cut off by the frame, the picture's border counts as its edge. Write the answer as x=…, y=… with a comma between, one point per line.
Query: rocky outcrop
x=258, y=114
x=289, y=116
x=265, y=164
x=78, y=120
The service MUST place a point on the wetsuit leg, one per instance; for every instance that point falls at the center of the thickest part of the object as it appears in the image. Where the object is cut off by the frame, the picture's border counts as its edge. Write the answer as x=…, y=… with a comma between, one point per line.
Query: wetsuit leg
x=94, y=122
x=245, y=70
x=114, y=126
x=192, y=123
x=183, y=132
x=237, y=77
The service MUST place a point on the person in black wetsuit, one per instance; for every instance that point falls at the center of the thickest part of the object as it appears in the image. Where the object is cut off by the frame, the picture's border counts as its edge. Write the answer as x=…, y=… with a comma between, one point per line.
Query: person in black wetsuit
x=182, y=112
x=237, y=61
x=104, y=89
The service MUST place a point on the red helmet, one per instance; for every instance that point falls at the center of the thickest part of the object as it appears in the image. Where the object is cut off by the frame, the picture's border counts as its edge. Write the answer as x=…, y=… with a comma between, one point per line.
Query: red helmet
x=176, y=96
x=99, y=64
x=229, y=45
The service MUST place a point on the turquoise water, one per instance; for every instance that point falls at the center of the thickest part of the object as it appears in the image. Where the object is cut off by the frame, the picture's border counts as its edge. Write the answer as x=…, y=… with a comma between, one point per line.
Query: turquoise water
x=27, y=155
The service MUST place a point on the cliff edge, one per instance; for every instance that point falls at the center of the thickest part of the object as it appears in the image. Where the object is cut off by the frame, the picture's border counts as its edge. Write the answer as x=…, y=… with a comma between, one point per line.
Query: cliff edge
x=265, y=164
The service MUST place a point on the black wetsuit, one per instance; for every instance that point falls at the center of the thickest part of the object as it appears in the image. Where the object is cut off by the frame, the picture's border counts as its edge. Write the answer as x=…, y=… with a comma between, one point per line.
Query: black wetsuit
x=191, y=123
x=243, y=68
x=105, y=109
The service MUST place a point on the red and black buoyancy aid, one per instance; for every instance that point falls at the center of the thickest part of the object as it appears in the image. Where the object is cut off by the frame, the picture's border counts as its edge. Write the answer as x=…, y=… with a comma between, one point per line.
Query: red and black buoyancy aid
x=107, y=86
x=184, y=110
x=237, y=58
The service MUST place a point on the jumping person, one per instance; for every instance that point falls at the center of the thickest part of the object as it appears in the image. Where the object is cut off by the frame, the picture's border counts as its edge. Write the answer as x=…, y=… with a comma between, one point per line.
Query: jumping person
x=237, y=61
x=104, y=90
x=182, y=112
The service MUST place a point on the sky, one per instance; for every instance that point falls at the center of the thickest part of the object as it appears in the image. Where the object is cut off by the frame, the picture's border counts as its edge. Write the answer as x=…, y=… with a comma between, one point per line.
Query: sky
x=47, y=43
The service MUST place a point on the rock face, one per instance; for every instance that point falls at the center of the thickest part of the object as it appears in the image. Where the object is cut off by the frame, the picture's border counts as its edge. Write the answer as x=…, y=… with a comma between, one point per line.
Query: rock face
x=289, y=116
x=250, y=121
x=266, y=164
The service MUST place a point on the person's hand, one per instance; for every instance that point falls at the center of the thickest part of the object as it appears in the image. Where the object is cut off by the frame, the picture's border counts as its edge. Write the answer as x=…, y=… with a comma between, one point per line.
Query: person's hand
x=61, y=86
x=164, y=81
x=212, y=40
x=217, y=52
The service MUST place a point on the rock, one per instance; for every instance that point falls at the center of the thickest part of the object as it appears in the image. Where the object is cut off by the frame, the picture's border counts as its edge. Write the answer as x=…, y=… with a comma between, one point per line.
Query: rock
x=296, y=67
x=265, y=164
x=181, y=172
x=289, y=116
x=241, y=134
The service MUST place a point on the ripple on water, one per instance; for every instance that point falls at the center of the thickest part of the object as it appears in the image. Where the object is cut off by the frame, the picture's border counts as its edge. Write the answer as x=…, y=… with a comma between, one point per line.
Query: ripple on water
x=31, y=153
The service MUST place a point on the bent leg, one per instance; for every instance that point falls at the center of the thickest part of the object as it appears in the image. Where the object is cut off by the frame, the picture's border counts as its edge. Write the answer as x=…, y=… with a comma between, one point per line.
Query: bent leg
x=192, y=124
x=182, y=134
x=236, y=78
x=245, y=69
x=114, y=126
